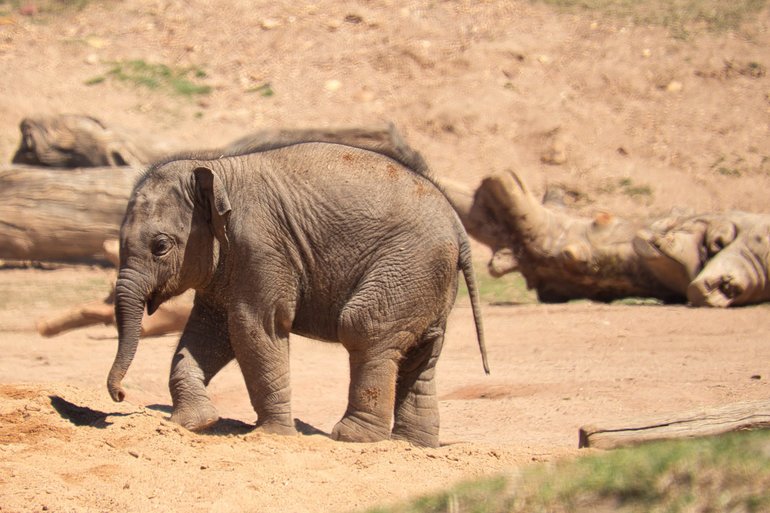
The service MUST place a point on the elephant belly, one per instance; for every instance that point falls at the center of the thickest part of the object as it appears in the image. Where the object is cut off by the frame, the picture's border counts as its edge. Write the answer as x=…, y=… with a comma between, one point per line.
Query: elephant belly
x=315, y=323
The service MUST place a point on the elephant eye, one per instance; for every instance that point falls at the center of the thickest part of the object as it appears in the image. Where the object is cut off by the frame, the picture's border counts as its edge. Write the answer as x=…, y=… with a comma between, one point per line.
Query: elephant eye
x=161, y=245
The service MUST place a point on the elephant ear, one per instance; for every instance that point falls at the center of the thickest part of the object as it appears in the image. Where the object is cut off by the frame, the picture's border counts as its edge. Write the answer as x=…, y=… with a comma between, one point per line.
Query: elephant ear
x=215, y=202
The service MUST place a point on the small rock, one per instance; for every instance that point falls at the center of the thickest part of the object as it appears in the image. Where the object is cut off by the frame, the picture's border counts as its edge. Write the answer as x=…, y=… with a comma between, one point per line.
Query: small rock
x=134, y=454
x=355, y=19
x=756, y=376
x=674, y=86
x=332, y=85
x=269, y=24
x=555, y=155
x=96, y=42
x=92, y=59
x=646, y=53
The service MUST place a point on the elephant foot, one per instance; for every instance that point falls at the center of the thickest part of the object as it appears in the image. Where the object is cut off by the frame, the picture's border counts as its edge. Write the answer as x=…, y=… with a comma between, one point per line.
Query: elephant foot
x=195, y=419
x=352, y=429
x=418, y=439
x=276, y=428
x=421, y=436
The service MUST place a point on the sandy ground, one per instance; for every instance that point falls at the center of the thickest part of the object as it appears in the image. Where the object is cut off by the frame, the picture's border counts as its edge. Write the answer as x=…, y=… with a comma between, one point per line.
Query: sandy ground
x=640, y=122
x=64, y=446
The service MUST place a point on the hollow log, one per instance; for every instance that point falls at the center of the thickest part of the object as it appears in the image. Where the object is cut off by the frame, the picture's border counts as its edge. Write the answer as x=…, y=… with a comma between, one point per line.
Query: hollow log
x=61, y=215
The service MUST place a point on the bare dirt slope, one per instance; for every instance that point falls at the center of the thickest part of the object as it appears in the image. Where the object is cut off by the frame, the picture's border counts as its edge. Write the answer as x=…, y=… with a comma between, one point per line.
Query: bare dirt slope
x=640, y=121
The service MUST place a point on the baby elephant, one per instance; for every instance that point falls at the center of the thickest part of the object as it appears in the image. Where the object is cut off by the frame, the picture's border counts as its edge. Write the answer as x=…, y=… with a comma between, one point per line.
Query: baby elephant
x=327, y=241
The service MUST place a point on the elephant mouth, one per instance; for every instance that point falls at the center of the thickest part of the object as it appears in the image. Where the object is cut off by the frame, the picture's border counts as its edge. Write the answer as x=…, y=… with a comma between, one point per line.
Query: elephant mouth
x=153, y=302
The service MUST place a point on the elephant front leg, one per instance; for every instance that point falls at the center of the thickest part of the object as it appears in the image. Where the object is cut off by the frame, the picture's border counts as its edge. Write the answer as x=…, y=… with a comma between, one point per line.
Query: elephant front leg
x=416, y=408
x=203, y=351
x=370, y=397
x=262, y=352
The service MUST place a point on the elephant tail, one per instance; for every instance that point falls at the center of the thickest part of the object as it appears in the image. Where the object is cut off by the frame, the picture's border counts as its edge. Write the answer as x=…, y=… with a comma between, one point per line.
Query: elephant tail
x=466, y=266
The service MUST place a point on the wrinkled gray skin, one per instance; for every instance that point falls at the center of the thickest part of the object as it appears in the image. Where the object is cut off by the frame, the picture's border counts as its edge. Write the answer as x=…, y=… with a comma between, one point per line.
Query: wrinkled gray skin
x=323, y=240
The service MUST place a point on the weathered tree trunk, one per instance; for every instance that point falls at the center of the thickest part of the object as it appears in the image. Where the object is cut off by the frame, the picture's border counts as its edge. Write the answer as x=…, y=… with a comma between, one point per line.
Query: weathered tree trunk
x=561, y=256
x=709, y=260
x=713, y=259
x=704, y=422
x=61, y=215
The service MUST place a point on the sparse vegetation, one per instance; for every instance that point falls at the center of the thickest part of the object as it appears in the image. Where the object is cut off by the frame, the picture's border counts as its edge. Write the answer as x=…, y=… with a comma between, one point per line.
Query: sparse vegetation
x=725, y=473
x=630, y=189
x=508, y=289
x=53, y=292
x=265, y=90
x=41, y=6
x=178, y=81
x=679, y=16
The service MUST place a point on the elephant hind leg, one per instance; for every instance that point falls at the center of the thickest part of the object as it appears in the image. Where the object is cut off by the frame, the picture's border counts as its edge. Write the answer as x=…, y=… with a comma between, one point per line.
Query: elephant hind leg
x=416, y=406
x=370, y=396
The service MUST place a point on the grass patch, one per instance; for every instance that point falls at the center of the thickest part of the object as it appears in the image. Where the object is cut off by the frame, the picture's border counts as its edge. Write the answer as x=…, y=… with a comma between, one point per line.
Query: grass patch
x=725, y=473
x=41, y=6
x=52, y=289
x=508, y=289
x=160, y=77
x=628, y=187
x=679, y=16
x=480, y=496
x=266, y=90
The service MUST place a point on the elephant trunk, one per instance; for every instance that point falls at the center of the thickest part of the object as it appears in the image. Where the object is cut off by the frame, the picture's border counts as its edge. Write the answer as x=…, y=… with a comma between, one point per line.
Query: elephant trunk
x=130, y=297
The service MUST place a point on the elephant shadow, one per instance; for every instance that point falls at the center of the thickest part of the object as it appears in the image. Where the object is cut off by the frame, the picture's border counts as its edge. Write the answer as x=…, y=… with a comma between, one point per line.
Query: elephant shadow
x=85, y=416
x=82, y=415
x=224, y=426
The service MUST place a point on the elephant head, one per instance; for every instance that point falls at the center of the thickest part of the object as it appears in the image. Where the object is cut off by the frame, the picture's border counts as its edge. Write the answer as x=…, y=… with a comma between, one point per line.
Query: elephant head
x=738, y=274
x=170, y=241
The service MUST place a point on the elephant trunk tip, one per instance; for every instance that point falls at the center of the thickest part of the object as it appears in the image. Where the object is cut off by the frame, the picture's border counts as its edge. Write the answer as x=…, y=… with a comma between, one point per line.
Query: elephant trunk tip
x=116, y=390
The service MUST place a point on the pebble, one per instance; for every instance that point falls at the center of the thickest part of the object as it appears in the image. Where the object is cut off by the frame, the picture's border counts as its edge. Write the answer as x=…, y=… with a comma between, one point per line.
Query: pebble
x=332, y=85
x=269, y=24
x=555, y=155
x=674, y=86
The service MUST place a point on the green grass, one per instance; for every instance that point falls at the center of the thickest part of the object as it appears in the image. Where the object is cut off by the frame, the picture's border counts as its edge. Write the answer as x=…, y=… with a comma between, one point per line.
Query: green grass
x=633, y=190
x=628, y=187
x=158, y=77
x=53, y=290
x=508, y=289
x=679, y=16
x=44, y=7
x=715, y=474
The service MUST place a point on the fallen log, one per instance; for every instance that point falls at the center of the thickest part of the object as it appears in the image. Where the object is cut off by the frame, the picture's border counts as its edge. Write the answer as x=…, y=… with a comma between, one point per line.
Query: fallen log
x=695, y=423
x=64, y=215
x=170, y=317
x=61, y=215
x=718, y=259
x=73, y=140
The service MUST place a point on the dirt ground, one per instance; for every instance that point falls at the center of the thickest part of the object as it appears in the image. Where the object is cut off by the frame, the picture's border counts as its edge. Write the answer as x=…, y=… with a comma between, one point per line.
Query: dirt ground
x=631, y=118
